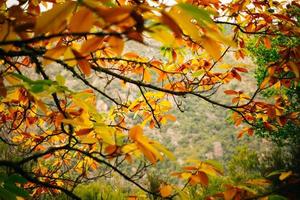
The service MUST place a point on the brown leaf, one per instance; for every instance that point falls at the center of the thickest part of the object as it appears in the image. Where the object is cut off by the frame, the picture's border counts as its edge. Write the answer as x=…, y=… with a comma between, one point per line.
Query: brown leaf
x=3, y=91
x=170, y=22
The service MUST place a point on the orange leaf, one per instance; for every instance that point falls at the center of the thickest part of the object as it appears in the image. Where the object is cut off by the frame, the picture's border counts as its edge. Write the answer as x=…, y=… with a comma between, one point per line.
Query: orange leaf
x=114, y=15
x=241, y=69
x=53, y=53
x=132, y=197
x=203, y=178
x=52, y=20
x=230, y=92
x=111, y=149
x=116, y=44
x=82, y=21
x=91, y=45
x=194, y=179
x=83, y=131
x=85, y=66
x=135, y=132
x=147, y=76
x=267, y=43
x=165, y=190
x=229, y=194
x=170, y=117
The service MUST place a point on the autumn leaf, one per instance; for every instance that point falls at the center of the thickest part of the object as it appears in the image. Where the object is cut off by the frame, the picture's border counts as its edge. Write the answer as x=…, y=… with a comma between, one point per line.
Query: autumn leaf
x=285, y=175
x=165, y=190
x=83, y=131
x=230, y=92
x=91, y=45
x=54, y=19
x=169, y=21
x=267, y=43
x=82, y=21
x=3, y=90
x=212, y=47
x=229, y=194
x=116, y=44
x=54, y=54
x=203, y=178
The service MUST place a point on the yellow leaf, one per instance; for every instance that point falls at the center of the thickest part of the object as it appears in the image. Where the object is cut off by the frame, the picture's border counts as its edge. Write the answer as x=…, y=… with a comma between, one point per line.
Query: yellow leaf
x=265, y=82
x=184, y=21
x=284, y=175
x=163, y=35
x=89, y=140
x=212, y=47
x=186, y=175
x=165, y=190
x=54, y=53
x=41, y=106
x=162, y=149
x=82, y=21
x=75, y=122
x=12, y=79
x=106, y=134
x=69, y=57
x=259, y=181
x=52, y=20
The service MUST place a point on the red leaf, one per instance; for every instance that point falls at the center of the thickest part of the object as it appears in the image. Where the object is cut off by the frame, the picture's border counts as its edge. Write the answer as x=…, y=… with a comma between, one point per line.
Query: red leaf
x=241, y=69
x=230, y=92
x=236, y=75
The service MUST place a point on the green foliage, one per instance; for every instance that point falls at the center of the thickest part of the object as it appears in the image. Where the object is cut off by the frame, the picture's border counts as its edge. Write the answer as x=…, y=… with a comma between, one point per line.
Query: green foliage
x=9, y=187
x=100, y=191
x=263, y=57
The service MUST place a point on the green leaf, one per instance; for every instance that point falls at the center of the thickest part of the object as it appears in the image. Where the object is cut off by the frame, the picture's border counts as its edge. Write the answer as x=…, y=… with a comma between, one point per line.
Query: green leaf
x=277, y=197
x=16, y=179
x=37, y=88
x=199, y=14
x=198, y=73
x=16, y=190
x=5, y=194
